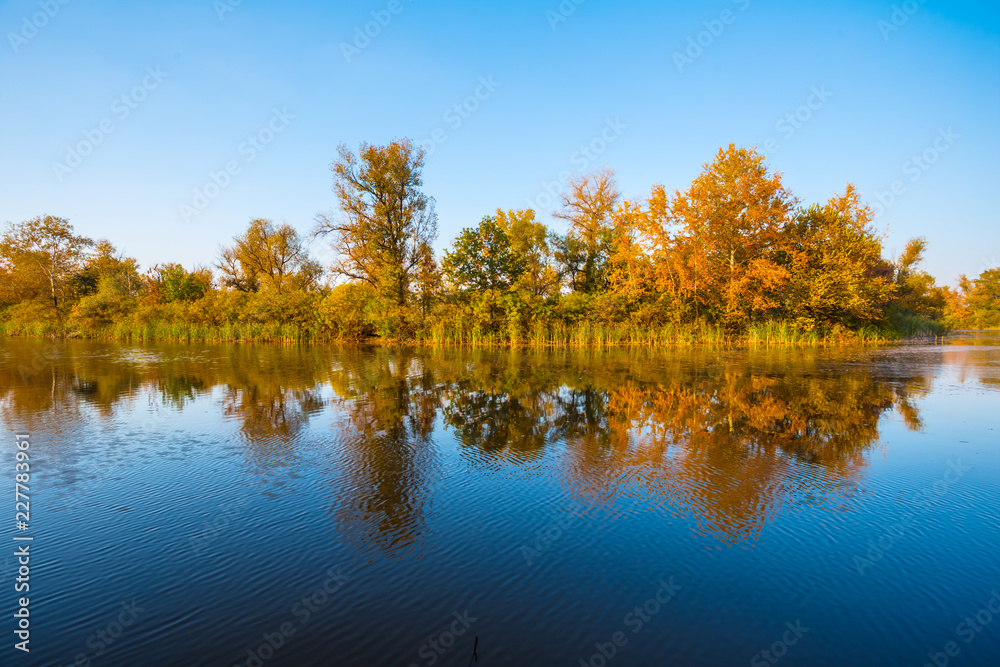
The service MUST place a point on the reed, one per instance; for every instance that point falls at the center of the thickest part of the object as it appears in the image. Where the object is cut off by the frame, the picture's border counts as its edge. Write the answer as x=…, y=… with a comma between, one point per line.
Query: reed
x=540, y=333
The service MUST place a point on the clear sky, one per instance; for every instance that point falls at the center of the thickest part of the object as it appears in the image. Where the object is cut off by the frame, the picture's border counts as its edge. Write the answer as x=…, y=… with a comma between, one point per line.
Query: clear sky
x=161, y=95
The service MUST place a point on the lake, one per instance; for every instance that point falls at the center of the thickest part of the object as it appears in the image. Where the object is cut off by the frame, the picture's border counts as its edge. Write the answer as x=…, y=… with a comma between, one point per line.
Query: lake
x=250, y=505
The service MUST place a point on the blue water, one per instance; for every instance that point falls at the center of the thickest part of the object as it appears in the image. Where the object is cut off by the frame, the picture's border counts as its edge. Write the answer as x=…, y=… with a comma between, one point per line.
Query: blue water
x=241, y=505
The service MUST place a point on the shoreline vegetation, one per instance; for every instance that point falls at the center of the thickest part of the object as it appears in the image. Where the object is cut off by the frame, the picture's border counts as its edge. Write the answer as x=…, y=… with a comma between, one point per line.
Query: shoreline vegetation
x=768, y=334
x=735, y=259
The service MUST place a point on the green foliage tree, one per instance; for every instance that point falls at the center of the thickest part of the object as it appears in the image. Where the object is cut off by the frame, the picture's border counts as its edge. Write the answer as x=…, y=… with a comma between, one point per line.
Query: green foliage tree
x=984, y=300
x=179, y=284
x=483, y=259
x=346, y=311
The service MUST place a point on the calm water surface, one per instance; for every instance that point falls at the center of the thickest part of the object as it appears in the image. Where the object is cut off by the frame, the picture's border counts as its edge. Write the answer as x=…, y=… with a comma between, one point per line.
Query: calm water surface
x=385, y=507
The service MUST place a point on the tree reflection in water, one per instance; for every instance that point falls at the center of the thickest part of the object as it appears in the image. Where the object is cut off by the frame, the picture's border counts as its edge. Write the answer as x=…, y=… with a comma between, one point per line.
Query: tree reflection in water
x=726, y=439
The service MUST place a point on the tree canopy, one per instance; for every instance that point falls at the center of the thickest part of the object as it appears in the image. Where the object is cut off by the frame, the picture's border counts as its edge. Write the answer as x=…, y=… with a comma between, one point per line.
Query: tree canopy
x=384, y=219
x=732, y=254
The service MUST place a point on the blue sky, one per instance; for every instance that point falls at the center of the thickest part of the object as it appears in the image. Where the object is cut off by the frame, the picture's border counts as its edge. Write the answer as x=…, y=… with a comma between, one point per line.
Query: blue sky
x=164, y=95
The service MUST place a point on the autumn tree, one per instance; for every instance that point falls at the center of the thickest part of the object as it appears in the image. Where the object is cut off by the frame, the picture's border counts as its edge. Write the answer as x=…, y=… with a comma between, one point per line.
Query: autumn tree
x=587, y=208
x=428, y=281
x=106, y=262
x=730, y=223
x=108, y=284
x=384, y=219
x=629, y=265
x=267, y=256
x=46, y=249
x=669, y=273
x=531, y=243
x=834, y=257
x=916, y=289
x=982, y=300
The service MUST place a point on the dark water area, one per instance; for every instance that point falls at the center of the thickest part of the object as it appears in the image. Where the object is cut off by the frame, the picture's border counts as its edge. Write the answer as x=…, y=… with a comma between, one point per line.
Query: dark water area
x=244, y=505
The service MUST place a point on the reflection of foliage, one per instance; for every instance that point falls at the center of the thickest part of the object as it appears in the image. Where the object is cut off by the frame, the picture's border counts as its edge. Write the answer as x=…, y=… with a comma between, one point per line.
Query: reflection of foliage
x=266, y=412
x=726, y=441
x=391, y=407
x=497, y=422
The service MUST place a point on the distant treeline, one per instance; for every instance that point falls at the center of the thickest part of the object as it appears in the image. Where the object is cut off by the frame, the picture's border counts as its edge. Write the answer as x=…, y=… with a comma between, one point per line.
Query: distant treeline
x=734, y=257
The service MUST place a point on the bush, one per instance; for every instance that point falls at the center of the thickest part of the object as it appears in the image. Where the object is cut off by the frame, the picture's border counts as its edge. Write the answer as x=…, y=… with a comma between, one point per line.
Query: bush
x=343, y=313
x=32, y=318
x=109, y=304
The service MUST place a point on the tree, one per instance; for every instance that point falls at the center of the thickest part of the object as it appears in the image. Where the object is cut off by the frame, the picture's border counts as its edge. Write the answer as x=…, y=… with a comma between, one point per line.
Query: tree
x=588, y=207
x=957, y=314
x=983, y=298
x=106, y=262
x=49, y=247
x=629, y=268
x=531, y=245
x=731, y=219
x=834, y=258
x=106, y=304
x=385, y=218
x=916, y=289
x=179, y=284
x=266, y=256
x=428, y=278
x=671, y=273
x=483, y=259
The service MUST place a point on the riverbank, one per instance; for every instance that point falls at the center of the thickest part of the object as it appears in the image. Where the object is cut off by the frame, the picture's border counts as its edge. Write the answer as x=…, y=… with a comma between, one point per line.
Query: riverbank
x=579, y=335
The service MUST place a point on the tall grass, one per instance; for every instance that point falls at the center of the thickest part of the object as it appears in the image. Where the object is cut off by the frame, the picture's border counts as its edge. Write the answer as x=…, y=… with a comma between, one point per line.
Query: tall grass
x=181, y=332
x=910, y=325
x=587, y=334
x=539, y=333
